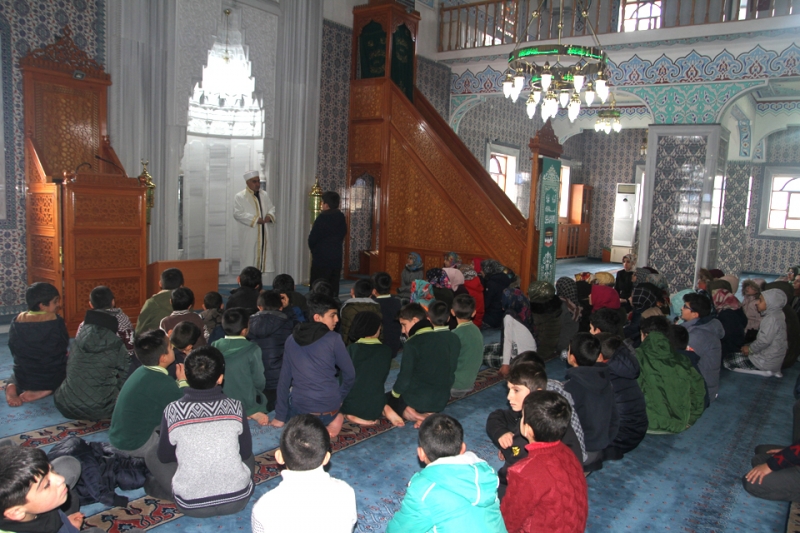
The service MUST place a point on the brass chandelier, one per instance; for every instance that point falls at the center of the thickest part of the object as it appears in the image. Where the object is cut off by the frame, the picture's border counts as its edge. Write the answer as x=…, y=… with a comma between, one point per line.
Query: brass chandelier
x=569, y=75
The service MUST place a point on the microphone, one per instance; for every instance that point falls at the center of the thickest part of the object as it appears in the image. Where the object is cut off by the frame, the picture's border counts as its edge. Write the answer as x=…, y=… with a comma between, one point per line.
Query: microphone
x=82, y=164
x=104, y=160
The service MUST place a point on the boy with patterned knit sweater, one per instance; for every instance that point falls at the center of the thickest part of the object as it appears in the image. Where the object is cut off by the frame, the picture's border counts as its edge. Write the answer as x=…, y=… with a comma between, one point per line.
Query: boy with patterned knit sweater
x=204, y=458
x=547, y=491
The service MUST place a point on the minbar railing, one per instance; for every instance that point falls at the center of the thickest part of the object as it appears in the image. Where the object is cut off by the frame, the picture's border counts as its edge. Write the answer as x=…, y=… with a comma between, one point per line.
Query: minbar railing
x=495, y=23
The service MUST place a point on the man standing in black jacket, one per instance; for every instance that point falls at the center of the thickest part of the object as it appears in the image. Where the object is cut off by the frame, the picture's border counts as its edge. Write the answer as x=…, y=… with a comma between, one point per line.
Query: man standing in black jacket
x=325, y=242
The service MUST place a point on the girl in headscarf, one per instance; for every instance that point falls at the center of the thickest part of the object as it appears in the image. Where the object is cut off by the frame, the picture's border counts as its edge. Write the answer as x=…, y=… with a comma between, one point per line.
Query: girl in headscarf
x=567, y=291
x=442, y=289
x=451, y=263
x=366, y=401
x=584, y=289
x=642, y=298
x=604, y=278
x=422, y=293
x=414, y=269
x=474, y=287
x=517, y=336
x=751, y=290
x=588, y=277
x=451, y=260
x=729, y=314
x=546, y=310
x=495, y=281
x=603, y=297
x=624, y=281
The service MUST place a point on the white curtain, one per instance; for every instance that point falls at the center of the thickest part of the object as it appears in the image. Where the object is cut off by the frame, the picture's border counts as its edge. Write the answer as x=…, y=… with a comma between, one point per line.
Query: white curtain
x=291, y=157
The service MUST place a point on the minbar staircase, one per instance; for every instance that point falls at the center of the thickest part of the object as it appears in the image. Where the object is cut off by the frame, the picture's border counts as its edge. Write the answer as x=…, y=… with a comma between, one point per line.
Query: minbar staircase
x=432, y=194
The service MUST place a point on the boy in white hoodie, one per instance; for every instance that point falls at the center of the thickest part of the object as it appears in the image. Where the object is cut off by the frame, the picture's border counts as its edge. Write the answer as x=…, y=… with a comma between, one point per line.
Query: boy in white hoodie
x=765, y=355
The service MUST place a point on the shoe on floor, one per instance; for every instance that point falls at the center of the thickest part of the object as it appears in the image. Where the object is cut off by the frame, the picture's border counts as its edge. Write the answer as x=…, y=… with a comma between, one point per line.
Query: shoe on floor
x=765, y=373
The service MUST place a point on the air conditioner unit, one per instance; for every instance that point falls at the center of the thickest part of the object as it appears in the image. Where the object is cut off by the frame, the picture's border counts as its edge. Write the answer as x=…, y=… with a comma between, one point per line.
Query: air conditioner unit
x=626, y=214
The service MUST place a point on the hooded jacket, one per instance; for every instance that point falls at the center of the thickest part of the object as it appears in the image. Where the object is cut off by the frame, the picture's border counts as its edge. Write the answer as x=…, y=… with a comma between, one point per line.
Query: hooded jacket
x=547, y=326
x=475, y=289
x=244, y=373
x=590, y=387
x=350, y=309
x=792, y=322
x=624, y=370
x=310, y=359
x=96, y=370
x=451, y=494
x=769, y=349
x=270, y=329
x=673, y=390
x=705, y=335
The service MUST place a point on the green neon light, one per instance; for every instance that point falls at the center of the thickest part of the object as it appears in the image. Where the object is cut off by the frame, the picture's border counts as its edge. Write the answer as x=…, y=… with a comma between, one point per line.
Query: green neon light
x=582, y=52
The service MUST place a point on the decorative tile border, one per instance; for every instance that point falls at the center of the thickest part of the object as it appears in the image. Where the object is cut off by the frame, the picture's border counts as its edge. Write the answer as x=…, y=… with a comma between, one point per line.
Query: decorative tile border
x=743, y=124
x=777, y=108
x=757, y=64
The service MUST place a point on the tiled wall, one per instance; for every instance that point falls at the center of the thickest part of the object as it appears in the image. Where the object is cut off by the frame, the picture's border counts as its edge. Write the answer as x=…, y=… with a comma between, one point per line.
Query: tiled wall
x=26, y=25
x=732, y=247
x=608, y=159
x=772, y=256
x=433, y=80
x=680, y=167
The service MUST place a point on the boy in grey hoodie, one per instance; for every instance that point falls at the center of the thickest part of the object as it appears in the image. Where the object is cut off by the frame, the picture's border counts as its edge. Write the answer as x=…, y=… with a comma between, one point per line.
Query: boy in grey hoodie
x=765, y=355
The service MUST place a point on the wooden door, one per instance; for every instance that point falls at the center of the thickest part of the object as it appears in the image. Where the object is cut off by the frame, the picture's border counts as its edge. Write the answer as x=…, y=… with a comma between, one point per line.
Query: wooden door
x=105, y=243
x=583, y=240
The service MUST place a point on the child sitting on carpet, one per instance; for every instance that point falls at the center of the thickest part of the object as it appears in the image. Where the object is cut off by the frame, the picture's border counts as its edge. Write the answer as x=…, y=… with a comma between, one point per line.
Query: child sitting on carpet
x=470, y=357
x=96, y=370
x=427, y=370
x=284, y=284
x=38, y=341
x=547, y=491
x=456, y=491
x=305, y=449
x=204, y=460
x=590, y=387
x=158, y=306
x=269, y=328
x=775, y=474
x=31, y=505
x=503, y=427
x=765, y=355
x=390, y=306
x=360, y=300
x=308, y=382
x=182, y=302
x=372, y=360
x=212, y=317
x=244, y=372
x=184, y=338
x=146, y=393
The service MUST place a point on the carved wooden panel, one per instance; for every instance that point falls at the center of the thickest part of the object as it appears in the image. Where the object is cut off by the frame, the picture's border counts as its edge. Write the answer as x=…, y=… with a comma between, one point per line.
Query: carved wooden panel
x=366, y=141
x=33, y=173
x=103, y=211
x=95, y=251
x=506, y=243
x=393, y=266
x=365, y=100
x=41, y=209
x=432, y=261
x=126, y=290
x=417, y=216
x=67, y=126
x=42, y=251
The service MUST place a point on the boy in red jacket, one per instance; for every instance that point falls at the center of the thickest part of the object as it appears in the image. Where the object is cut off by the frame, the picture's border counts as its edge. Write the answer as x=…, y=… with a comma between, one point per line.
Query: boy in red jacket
x=547, y=491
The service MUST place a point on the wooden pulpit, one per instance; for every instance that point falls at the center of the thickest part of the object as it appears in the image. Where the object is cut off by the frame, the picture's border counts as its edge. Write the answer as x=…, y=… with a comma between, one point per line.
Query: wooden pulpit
x=86, y=219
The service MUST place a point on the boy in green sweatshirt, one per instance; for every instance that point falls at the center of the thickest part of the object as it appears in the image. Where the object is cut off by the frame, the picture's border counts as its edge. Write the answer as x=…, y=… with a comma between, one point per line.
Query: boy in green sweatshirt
x=427, y=369
x=244, y=369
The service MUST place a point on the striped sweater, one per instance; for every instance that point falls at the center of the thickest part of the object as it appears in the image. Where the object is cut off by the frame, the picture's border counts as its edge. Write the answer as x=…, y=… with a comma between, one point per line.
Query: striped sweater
x=207, y=434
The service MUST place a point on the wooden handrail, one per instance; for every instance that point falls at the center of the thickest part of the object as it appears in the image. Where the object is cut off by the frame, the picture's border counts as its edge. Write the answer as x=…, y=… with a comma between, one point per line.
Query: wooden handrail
x=468, y=160
x=498, y=22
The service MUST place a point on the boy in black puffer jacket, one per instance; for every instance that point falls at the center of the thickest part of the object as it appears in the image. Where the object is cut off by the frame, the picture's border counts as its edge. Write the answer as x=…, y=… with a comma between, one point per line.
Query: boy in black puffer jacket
x=620, y=358
x=269, y=328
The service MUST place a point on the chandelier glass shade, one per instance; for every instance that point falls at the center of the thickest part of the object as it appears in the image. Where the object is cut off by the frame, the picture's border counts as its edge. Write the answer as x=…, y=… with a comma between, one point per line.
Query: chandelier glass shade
x=608, y=120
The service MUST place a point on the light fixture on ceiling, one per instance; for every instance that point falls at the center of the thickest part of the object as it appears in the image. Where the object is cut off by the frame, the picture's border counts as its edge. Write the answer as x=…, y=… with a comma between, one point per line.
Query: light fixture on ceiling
x=643, y=147
x=608, y=119
x=583, y=72
x=226, y=56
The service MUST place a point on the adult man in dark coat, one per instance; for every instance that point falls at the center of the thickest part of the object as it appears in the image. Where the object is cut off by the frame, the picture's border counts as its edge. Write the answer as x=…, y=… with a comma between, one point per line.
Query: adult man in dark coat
x=325, y=242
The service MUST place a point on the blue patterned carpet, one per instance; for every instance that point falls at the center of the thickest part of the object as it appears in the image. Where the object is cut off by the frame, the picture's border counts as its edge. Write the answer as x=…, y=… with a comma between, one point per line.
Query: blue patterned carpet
x=686, y=482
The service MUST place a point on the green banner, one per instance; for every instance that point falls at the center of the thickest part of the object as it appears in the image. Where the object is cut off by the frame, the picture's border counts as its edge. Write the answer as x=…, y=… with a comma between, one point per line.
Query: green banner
x=548, y=218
